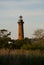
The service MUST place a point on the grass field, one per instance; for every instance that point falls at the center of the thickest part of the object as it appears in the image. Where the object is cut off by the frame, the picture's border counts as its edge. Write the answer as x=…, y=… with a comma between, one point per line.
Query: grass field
x=21, y=57
x=21, y=60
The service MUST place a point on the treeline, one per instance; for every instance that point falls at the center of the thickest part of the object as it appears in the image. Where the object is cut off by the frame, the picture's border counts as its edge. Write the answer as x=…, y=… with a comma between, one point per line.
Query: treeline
x=26, y=43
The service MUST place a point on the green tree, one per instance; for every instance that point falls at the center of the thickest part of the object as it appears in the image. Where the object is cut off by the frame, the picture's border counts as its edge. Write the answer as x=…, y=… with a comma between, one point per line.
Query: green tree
x=4, y=37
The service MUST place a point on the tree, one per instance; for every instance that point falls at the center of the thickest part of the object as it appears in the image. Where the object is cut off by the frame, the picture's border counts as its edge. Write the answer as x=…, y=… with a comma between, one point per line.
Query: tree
x=4, y=37
x=39, y=33
x=4, y=33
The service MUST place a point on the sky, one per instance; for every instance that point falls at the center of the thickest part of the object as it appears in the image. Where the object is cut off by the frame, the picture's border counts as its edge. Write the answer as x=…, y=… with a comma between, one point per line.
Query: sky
x=31, y=10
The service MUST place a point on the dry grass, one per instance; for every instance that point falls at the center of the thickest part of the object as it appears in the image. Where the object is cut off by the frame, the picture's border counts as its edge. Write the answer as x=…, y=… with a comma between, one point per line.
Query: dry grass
x=22, y=52
x=21, y=57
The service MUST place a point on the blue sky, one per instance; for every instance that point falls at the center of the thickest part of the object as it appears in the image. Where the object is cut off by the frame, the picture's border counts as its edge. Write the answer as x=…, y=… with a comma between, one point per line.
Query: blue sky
x=31, y=10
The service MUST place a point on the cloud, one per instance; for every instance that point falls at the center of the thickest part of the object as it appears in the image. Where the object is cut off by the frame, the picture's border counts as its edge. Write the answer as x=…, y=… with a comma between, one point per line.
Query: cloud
x=21, y=5
x=22, y=2
x=25, y=13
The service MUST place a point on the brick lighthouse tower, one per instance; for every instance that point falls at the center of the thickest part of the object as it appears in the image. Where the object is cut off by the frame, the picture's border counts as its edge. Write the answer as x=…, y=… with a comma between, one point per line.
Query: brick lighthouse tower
x=20, y=29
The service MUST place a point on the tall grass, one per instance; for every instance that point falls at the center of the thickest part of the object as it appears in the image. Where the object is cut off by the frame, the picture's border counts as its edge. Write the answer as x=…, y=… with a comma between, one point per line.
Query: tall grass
x=21, y=52
x=21, y=57
x=21, y=60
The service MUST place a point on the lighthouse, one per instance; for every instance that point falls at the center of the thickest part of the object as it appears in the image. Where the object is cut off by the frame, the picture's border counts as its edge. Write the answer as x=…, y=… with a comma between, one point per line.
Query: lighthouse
x=20, y=28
